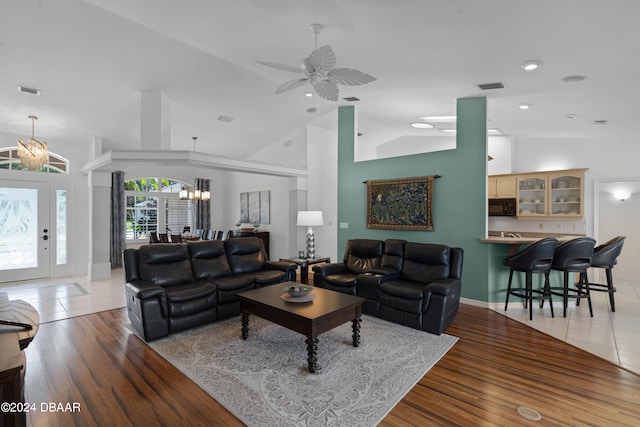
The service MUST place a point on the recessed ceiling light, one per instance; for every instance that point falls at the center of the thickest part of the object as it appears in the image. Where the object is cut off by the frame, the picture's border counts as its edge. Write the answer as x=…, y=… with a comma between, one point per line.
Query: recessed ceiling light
x=524, y=106
x=451, y=131
x=420, y=125
x=494, y=131
x=573, y=79
x=439, y=119
x=531, y=65
x=308, y=94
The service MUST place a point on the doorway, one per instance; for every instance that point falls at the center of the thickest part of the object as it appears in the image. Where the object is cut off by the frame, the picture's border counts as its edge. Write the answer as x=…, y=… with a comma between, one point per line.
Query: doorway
x=32, y=230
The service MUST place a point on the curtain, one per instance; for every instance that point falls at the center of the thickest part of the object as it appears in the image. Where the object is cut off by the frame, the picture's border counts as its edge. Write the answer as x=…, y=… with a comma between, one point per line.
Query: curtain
x=202, y=207
x=118, y=228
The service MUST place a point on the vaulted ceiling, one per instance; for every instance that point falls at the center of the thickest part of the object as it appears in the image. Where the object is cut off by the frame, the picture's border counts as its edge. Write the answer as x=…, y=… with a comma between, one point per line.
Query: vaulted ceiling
x=92, y=59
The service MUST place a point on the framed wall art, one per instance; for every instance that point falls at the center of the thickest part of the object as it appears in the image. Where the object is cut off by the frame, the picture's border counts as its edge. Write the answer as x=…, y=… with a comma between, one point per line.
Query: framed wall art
x=400, y=204
x=255, y=207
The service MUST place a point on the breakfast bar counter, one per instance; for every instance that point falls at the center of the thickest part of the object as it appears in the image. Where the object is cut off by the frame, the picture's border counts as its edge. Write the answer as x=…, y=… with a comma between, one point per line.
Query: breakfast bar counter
x=524, y=238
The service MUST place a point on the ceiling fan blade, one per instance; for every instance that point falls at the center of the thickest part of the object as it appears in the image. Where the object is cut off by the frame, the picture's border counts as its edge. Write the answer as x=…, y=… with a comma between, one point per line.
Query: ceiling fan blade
x=321, y=59
x=283, y=67
x=327, y=89
x=349, y=76
x=291, y=84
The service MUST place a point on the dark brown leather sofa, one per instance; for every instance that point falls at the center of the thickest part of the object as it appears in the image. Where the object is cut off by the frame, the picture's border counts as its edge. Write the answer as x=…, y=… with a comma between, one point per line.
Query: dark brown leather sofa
x=173, y=287
x=413, y=284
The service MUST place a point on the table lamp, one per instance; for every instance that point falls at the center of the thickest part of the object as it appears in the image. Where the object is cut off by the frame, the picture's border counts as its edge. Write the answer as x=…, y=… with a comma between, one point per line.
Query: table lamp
x=309, y=219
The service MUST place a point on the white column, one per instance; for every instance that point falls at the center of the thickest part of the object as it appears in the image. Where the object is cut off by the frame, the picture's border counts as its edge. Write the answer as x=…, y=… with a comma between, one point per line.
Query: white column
x=155, y=120
x=297, y=202
x=99, y=183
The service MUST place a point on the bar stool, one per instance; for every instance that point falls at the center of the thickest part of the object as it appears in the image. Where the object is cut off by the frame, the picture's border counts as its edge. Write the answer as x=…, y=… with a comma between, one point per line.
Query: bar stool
x=534, y=258
x=605, y=256
x=573, y=256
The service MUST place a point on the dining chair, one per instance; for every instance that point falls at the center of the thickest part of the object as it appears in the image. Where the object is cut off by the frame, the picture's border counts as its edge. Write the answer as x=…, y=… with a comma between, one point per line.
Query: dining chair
x=163, y=237
x=176, y=238
x=535, y=258
x=606, y=256
x=573, y=256
x=153, y=237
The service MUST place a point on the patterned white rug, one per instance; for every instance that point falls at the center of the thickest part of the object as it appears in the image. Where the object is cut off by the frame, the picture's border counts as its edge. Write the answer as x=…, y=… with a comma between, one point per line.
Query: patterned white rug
x=264, y=381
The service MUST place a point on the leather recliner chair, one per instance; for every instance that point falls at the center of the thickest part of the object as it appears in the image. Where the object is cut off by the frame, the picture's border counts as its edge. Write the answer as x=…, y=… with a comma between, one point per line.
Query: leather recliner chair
x=360, y=256
x=426, y=296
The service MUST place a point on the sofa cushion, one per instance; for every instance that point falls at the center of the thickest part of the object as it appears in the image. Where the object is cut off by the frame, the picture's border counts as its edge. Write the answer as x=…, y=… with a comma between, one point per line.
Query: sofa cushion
x=425, y=262
x=245, y=254
x=345, y=280
x=402, y=295
x=165, y=265
x=392, y=254
x=362, y=255
x=229, y=286
x=268, y=277
x=191, y=298
x=209, y=259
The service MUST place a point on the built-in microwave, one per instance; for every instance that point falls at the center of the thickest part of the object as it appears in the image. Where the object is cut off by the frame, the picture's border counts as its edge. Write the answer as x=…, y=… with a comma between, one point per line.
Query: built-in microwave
x=502, y=207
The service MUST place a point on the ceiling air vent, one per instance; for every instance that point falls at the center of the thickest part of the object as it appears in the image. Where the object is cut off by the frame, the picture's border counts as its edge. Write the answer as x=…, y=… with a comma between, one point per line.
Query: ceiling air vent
x=599, y=122
x=225, y=119
x=489, y=86
x=351, y=99
x=28, y=90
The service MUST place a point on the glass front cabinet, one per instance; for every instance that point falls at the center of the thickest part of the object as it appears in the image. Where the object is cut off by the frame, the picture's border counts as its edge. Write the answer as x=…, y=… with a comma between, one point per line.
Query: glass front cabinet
x=558, y=194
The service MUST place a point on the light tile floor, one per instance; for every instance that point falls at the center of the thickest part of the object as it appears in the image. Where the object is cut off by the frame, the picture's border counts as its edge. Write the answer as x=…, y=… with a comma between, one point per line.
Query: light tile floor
x=612, y=336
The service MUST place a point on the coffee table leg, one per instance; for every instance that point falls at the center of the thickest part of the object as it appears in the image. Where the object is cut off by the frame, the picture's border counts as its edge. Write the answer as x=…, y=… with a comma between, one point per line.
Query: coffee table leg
x=356, y=331
x=245, y=326
x=312, y=351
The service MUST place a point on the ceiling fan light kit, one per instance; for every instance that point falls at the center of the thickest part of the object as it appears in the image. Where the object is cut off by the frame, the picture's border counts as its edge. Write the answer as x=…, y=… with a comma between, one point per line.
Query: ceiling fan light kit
x=320, y=71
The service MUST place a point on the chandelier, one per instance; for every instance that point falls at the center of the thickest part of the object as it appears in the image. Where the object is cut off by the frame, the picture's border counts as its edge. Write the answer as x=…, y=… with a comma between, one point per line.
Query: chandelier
x=33, y=154
x=197, y=193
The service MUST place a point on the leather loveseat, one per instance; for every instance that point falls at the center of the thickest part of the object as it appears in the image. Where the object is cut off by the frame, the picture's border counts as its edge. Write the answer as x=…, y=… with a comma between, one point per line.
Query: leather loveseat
x=173, y=287
x=413, y=284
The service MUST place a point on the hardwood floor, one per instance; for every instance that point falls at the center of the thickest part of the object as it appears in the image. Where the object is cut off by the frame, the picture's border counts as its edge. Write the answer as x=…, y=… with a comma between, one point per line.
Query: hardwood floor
x=497, y=365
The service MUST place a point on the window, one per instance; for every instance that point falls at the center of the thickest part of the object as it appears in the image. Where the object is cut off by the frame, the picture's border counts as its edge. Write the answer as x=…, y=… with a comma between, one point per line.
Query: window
x=9, y=160
x=152, y=205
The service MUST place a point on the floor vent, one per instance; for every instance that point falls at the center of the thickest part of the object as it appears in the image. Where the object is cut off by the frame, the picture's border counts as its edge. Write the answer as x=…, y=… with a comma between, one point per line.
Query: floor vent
x=489, y=86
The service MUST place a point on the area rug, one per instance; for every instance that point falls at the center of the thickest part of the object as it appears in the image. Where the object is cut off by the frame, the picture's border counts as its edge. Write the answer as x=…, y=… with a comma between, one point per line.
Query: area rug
x=264, y=381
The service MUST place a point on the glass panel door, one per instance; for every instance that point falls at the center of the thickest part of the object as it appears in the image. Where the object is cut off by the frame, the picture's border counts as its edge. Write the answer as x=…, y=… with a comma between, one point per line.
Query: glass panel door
x=24, y=230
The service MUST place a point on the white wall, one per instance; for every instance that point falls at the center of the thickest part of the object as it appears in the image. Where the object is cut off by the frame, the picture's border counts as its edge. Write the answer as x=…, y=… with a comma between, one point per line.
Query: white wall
x=238, y=182
x=323, y=184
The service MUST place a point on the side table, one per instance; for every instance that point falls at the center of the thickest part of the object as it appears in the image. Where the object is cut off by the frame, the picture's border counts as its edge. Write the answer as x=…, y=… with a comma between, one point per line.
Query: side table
x=304, y=264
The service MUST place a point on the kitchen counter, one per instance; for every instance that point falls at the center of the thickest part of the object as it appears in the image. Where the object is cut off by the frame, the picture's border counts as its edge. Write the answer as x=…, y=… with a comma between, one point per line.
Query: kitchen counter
x=516, y=242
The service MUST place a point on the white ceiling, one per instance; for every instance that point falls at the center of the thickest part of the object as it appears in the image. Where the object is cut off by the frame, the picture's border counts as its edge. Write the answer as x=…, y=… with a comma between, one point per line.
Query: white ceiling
x=92, y=59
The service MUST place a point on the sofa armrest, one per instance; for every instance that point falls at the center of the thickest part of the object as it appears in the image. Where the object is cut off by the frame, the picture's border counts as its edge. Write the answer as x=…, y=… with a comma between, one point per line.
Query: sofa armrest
x=144, y=290
x=327, y=269
x=280, y=265
x=445, y=286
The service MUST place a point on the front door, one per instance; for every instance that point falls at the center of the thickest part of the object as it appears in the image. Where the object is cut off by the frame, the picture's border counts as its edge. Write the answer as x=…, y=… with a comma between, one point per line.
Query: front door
x=25, y=234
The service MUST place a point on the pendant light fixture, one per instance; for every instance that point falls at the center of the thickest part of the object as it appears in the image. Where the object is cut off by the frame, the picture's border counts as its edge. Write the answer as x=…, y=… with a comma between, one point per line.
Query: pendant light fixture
x=33, y=154
x=197, y=193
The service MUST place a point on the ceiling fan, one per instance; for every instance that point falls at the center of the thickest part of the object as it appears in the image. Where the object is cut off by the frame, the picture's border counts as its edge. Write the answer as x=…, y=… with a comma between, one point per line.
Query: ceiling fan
x=320, y=70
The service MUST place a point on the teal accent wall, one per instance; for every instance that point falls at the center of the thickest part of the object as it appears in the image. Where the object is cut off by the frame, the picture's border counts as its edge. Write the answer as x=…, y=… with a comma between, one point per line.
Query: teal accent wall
x=459, y=197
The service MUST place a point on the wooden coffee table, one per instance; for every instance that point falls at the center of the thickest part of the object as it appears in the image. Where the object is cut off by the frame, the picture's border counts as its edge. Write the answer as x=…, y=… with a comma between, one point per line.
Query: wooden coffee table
x=328, y=310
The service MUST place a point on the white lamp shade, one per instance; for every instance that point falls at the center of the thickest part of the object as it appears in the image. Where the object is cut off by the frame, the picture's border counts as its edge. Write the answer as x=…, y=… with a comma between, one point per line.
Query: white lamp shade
x=310, y=218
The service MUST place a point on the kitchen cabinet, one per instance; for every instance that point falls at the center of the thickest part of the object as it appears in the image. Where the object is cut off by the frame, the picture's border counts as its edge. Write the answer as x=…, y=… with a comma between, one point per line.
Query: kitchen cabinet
x=553, y=194
x=502, y=186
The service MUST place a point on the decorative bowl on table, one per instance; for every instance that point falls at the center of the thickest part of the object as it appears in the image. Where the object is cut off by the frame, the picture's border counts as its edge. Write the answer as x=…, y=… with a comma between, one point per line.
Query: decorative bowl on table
x=298, y=290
